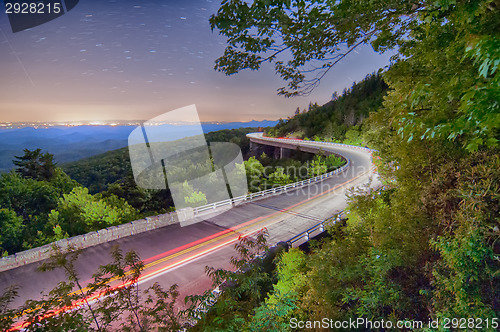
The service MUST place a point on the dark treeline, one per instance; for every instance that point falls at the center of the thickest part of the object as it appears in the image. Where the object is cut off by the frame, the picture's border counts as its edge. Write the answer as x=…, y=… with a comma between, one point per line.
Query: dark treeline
x=340, y=118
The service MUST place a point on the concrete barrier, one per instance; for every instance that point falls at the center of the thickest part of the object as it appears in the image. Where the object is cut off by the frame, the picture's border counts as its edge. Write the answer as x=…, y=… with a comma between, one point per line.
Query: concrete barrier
x=89, y=239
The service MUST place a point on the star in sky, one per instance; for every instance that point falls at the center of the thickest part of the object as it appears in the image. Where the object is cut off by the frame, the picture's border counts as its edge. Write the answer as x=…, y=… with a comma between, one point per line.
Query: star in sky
x=129, y=60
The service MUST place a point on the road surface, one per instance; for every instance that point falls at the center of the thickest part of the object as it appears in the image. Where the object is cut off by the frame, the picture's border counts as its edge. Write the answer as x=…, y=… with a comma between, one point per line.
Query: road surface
x=175, y=254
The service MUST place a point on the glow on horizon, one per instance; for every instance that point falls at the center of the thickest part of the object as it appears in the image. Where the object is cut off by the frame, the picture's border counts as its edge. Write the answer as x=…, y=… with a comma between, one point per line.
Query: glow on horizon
x=154, y=64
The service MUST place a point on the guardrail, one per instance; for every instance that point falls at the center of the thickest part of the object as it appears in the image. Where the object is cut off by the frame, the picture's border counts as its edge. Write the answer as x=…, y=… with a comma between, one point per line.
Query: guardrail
x=295, y=185
x=216, y=292
x=284, y=140
x=271, y=191
x=305, y=235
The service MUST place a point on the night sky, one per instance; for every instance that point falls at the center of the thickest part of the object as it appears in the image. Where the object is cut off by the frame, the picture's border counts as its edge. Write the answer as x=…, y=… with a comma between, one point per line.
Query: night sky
x=133, y=60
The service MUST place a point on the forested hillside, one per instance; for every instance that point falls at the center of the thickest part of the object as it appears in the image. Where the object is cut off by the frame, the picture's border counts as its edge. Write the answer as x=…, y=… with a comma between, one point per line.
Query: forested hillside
x=98, y=172
x=338, y=119
x=40, y=204
x=111, y=174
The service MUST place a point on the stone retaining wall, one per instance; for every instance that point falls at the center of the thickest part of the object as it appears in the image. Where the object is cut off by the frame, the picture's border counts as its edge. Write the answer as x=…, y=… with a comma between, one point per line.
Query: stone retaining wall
x=89, y=239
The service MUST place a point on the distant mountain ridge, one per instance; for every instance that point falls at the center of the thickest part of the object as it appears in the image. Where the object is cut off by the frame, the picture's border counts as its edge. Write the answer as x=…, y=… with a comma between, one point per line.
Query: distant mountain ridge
x=68, y=143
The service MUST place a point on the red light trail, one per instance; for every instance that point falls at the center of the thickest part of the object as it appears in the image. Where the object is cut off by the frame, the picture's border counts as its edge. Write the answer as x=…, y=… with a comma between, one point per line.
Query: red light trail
x=234, y=233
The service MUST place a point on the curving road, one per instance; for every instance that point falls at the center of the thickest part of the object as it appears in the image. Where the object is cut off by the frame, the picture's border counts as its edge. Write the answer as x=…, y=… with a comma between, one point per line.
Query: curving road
x=179, y=255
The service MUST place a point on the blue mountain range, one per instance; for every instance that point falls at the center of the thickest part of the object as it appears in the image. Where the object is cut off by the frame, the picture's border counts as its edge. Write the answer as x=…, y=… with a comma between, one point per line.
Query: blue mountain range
x=74, y=143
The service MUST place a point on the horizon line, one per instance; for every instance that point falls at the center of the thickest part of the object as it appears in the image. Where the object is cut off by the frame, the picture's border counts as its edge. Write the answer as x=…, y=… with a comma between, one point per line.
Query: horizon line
x=115, y=122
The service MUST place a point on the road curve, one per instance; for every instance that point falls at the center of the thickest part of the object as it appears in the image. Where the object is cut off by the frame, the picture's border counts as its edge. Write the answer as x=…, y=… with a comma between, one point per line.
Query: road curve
x=360, y=159
x=175, y=254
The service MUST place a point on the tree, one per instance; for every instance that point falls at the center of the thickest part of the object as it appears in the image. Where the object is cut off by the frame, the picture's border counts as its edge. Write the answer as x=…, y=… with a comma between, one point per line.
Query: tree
x=32, y=201
x=35, y=165
x=333, y=162
x=192, y=197
x=353, y=136
x=109, y=301
x=315, y=35
x=265, y=159
x=317, y=167
x=29, y=199
x=275, y=312
x=278, y=178
x=25, y=196
x=197, y=198
x=137, y=197
x=11, y=235
x=255, y=171
x=243, y=289
x=327, y=31
x=79, y=212
x=332, y=120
